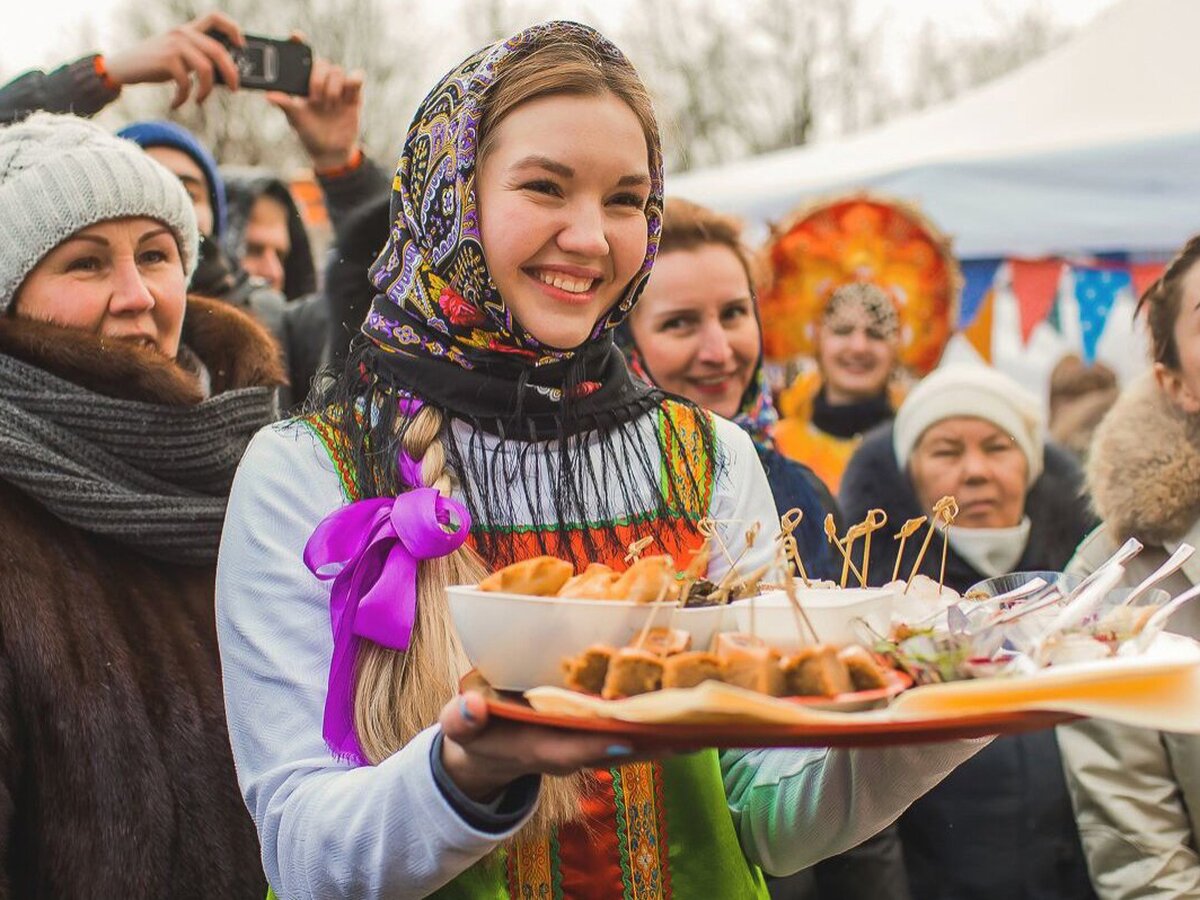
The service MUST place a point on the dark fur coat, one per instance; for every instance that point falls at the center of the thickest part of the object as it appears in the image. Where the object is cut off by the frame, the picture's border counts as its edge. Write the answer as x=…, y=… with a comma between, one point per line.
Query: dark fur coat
x=1001, y=826
x=116, y=777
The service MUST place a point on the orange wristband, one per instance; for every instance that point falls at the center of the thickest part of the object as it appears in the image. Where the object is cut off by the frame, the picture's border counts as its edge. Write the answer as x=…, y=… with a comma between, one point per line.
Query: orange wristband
x=102, y=73
x=356, y=160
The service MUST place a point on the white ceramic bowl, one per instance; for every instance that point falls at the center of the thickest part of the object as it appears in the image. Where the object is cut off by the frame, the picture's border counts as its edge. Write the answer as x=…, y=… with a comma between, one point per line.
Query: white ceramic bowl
x=518, y=642
x=701, y=622
x=837, y=615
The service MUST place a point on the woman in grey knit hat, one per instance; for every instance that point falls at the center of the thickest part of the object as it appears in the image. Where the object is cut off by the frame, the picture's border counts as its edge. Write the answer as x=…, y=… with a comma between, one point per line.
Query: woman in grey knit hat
x=124, y=409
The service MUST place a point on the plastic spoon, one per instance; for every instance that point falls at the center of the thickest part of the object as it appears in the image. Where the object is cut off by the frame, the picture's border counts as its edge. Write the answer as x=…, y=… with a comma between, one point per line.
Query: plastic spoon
x=1157, y=621
x=1177, y=559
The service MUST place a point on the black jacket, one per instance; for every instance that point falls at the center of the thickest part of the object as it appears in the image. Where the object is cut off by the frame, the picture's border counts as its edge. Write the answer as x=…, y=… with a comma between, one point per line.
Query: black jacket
x=1000, y=827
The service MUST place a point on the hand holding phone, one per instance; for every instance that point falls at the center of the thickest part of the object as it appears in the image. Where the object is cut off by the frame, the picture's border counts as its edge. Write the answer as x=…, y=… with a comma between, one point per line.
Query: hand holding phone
x=269, y=64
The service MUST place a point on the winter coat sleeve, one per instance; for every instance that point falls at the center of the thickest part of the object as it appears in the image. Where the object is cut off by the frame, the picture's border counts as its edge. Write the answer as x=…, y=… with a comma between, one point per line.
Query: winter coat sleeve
x=793, y=808
x=76, y=87
x=327, y=829
x=344, y=193
x=1129, y=800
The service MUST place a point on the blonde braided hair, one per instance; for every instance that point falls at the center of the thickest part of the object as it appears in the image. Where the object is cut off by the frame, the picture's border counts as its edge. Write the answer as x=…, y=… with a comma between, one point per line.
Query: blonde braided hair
x=398, y=694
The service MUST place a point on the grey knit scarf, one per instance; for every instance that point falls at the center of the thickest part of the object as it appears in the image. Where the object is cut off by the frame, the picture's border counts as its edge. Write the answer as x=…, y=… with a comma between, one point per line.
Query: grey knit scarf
x=154, y=477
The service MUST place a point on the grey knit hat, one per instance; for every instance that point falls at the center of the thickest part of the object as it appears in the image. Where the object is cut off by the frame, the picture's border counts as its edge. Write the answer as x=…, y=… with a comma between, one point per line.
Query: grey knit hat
x=60, y=174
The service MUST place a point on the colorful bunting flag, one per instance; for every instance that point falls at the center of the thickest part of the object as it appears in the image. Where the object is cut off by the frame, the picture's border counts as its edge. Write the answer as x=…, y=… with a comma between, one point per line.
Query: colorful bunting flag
x=978, y=275
x=979, y=332
x=1035, y=284
x=1144, y=275
x=1096, y=292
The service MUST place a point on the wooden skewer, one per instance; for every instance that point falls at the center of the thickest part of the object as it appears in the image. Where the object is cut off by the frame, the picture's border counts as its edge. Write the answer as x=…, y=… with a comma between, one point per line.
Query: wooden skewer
x=789, y=590
x=831, y=533
x=708, y=527
x=662, y=595
x=920, y=556
x=947, y=510
x=636, y=548
x=788, y=523
x=790, y=548
x=907, y=530
x=875, y=520
x=852, y=535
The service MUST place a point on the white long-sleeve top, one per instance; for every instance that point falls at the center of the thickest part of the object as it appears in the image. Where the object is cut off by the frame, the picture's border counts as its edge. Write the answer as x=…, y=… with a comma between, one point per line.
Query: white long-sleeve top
x=330, y=830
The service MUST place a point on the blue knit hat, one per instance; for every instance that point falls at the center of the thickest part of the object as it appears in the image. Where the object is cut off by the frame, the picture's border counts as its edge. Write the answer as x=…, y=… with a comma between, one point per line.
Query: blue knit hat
x=168, y=134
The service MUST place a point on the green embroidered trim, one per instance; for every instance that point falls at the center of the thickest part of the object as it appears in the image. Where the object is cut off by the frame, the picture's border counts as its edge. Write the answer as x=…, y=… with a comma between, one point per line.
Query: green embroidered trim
x=335, y=449
x=556, y=891
x=622, y=834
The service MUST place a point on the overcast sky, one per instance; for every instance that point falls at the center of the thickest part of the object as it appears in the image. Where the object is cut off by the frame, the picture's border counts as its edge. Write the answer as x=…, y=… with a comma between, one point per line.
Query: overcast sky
x=40, y=33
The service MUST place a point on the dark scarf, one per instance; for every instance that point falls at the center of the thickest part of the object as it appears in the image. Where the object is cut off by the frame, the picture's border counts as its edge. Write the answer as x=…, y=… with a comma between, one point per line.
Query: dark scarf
x=850, y=419
x=438, y=320
x=119, y=441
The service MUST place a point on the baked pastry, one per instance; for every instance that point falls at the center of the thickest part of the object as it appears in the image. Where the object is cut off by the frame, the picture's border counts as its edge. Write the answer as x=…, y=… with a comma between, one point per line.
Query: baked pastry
x=816, y=672
x=593, y=583
x=865, y=673
x=647, y=581
x=666, y=641
x=587, y=671
x=542, y=576
x=747, y=662
x=631, y=672
x=685, y=670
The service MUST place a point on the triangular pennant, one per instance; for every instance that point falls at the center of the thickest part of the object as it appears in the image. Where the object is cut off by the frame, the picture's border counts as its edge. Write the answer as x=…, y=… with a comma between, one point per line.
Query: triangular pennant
x=1096, y=292
x=1054, y=319
x=1035, y=284
x=979, y=334
x=1144, y=275
x=978, y=275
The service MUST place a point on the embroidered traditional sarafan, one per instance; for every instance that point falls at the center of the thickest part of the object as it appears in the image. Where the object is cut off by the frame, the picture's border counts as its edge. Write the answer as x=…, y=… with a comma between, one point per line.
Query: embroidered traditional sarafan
x=638, y=818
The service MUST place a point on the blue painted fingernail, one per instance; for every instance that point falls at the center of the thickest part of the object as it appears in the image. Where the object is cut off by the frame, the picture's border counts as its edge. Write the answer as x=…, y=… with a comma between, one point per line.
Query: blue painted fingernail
x=618, y=750
x=465, y=710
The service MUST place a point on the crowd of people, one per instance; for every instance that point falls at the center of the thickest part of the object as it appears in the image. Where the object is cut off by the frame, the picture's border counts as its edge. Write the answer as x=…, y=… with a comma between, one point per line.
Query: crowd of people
x=218, y=453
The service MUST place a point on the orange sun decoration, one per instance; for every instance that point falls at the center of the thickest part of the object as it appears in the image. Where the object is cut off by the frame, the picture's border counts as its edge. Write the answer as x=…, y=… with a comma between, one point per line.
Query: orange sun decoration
x=862, y=237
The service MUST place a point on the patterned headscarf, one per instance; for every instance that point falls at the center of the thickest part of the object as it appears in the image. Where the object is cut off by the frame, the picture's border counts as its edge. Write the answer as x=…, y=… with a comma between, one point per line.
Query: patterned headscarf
x=436, y=297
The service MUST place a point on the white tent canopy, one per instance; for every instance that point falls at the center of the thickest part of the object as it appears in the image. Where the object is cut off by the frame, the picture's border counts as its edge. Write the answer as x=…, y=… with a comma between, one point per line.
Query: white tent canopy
x=1093, y=147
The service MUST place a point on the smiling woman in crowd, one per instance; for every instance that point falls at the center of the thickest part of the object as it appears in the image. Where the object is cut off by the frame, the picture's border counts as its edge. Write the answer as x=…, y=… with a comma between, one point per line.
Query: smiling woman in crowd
x=827, y=411
x=124, y=408
x=486, y=413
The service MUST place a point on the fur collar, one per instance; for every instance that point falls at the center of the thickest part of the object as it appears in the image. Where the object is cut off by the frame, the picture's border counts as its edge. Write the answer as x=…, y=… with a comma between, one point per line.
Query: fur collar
x=235, y=349
x=1144, y=466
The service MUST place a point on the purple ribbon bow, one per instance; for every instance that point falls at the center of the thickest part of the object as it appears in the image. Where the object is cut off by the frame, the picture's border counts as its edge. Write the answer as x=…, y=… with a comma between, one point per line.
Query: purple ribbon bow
x=370, y=549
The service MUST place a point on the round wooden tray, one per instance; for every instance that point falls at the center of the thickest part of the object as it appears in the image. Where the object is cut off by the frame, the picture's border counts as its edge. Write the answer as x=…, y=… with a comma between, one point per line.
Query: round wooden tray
x=856, y=731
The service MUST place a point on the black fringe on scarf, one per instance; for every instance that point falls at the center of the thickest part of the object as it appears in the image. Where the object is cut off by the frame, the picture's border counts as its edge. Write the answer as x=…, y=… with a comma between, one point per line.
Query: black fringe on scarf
x=626, y=474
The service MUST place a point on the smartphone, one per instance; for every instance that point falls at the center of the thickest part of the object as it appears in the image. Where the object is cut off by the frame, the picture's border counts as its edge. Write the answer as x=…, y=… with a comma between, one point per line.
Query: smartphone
x=267, y=64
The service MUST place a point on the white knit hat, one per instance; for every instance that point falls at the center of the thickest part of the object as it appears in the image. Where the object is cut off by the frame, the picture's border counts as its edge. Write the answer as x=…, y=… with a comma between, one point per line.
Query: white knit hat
x=977, y=392
x=60, y=174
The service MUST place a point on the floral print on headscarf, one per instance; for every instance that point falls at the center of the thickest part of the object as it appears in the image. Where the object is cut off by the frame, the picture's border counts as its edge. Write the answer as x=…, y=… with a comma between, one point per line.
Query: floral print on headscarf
x=436, y=297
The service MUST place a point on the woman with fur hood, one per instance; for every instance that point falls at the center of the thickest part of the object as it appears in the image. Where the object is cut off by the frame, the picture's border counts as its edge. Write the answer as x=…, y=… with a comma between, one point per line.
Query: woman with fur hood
x=124, y=409
x=1001, y=825
x=1136, y=792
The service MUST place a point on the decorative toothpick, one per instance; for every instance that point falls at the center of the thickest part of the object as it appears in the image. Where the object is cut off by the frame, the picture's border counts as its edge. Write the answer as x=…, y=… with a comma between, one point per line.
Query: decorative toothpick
x=940, y=510
x=636, y=548
x=907, y=530
x=831, y=533
x=852, y=535
x=875, y=520
x=946, y=511
x=788, y=523
x=708, y=527
x=728, y=582
x=789, y=590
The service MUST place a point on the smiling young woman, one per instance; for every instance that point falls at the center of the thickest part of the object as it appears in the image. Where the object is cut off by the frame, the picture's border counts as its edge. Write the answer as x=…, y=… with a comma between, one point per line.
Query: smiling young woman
x=526, y=215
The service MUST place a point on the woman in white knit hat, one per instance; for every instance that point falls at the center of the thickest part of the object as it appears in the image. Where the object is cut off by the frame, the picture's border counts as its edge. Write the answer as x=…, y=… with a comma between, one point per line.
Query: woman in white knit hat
x=1001, y=826
x=124, y=409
